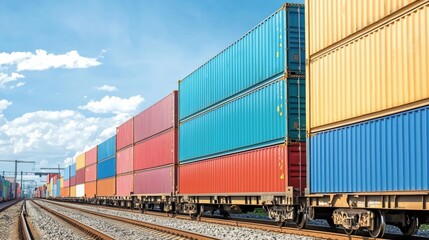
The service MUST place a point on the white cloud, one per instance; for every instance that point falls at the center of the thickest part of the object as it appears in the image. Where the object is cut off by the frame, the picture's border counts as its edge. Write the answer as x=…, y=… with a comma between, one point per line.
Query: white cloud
x=6, y=78
x=4, y=104
x=114, y=105
x=20, y=84
x=107, y=88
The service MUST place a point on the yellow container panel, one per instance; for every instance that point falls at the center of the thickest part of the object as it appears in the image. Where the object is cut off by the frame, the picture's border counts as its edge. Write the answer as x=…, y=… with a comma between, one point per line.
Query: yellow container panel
x=383, y=71
x=73, y=191
x=80, y=161
x=61, y=182
x=329, y=21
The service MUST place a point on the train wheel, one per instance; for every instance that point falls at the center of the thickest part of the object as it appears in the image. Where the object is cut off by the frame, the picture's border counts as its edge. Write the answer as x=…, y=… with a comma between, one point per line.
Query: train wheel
x=379, y=225
x=350, y=231
x=413, y=224
x=301, y=218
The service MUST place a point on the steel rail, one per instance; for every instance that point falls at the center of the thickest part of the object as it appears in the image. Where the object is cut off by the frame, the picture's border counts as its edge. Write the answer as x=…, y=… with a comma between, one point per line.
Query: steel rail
x=24, y=230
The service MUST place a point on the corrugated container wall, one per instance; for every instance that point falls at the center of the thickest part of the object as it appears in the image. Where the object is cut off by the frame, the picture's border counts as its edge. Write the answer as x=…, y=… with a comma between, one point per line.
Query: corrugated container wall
x=385, y=154
x=267, y=116
x=80, y=190
x=73, y=170
x=67, y=173
x=269, y=169
x=66, y=183
x=157, y=118
x=106, y=168
x=377, y=73
x=124, y=134
x=272, y=48
x=80, y=176
x=90, y=189
x=72, y=181
x=58, y=188
x=106, y=149
x=80, y=161
x=331, y=21
x=106, y=187
x=124, y=185
x=164, y=185
x=73, y=191
x=124, y=160
x=91, y=156
x=91, y=173
x=157, y=151
x=64, y=192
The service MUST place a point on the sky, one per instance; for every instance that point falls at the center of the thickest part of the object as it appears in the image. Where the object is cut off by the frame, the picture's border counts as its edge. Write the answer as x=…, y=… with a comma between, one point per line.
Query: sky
x=71, y=71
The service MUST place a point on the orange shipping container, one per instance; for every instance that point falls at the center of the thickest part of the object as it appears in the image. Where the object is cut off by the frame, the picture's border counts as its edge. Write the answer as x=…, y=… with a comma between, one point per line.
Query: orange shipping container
x=73, y=191
x=64, y=192
x=90, y=189
x=106, y=187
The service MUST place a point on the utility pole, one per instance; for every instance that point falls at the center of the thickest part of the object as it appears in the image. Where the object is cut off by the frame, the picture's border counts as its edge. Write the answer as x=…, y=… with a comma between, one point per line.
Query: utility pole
x=16, y=171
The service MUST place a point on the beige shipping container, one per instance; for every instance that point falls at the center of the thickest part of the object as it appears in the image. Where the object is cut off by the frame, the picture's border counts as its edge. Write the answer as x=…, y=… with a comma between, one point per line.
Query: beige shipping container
x=381, y=72
x=80, y=161
x=73, y=191
x=329, y=21
x=61, y=183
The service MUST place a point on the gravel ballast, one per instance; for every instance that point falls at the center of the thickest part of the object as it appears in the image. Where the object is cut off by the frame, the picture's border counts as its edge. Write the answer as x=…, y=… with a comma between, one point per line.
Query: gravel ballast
x=9, y=222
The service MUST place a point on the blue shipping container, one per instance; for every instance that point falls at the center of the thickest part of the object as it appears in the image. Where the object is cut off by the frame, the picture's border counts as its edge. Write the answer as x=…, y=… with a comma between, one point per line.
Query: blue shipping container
x=269, y=115
x=106, y=149
x=275, y=46
x=385, y=154
x=106, y=168
x=58, y=188
x=73, y=170
x=67, y=173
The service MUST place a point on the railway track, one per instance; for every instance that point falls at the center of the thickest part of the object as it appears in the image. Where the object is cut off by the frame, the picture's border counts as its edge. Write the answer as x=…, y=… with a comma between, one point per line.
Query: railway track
x=312, y=231
x=163, y=231
x=9, y=204
x=24, y=231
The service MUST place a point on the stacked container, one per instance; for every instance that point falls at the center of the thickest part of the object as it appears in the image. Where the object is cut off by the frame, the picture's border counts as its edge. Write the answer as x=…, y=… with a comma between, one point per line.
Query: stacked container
x=155, y=148
x=253, y=115
x=124, y=158
x=106, y=168
x=72, y=192
x=65, y=191
x=91, y=173
x=80, y=175
x=368, y=96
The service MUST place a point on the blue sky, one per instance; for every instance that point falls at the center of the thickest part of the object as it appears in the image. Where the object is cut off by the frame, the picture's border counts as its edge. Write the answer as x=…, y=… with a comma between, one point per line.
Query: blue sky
x=70, y=71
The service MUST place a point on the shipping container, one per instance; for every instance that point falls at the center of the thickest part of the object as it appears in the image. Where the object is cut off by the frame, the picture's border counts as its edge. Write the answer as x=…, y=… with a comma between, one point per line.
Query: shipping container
x=263, y=170
x=80, y=190
x=91, y=173
x=157, y=151
x=80, y=161
x=124, y=134
x=58, y=188
x=124, y=160
x=106, y=187
x=106, y=168
x=73, y=191
x=72, y=181
x=66, y=183
x=382, y=72
x=270, y=115
x=91, y=156
x=67, y=173
x=62, y=182
x=80, y=176
x=90, y=189
x=328, y=22
x=384, y=154
x=124, y=185
x=157, y=118
x=73, y=170
x=64, y=192
x=106, y=149
x=273, y=48
x=164, y=185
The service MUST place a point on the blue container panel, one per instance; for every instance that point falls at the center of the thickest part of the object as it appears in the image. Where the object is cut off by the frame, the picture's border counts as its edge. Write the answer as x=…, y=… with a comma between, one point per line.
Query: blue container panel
x=385, y=154
x=106, y=168
x=106, y=149
x=259, y=118
x=67, y=173
x=73, y=170
x=257, y=57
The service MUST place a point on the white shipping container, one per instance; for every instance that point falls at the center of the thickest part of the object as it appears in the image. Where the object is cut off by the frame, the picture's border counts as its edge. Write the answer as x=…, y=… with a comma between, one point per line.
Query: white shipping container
x=80, y=190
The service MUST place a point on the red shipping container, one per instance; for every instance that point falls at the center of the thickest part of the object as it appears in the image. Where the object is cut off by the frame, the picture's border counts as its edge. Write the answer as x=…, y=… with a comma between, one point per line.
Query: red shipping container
x=124, y=160
x=66, y=183
x=91, y=156
x=91, y=173
x=80, y=176
x=157, y=151
x=106, y=187
x=144, y=182
x=124, y=134
x=268, y=169
x=157, y=118
x=124, y=185
x=72, y=181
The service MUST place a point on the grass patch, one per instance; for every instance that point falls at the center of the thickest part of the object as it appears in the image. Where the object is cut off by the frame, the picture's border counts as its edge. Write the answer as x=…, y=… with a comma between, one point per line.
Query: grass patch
x=260, y=212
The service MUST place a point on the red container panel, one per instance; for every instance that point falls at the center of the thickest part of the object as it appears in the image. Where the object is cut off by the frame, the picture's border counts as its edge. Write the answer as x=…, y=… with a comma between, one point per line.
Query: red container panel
x=124, y=185
x=157, y=118
x=156, y=151
x=80, y=176
x=268, y=169
x=155, y=181
x=124, y=160
x=91, y=173
x=124, y=134
x=91, y=156
x=72, y=181
x=66, y=183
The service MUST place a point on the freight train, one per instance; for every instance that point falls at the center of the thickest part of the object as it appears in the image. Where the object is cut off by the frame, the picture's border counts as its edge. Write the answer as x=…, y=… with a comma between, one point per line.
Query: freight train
x=6, y=190
x=312, y=114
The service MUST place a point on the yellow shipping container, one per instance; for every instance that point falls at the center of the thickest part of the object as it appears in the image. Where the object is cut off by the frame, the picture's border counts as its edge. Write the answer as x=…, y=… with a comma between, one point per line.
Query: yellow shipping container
x=329, y=21
x=73, y=191
x=80, y=161
x=61, y=182
x=382, y=72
